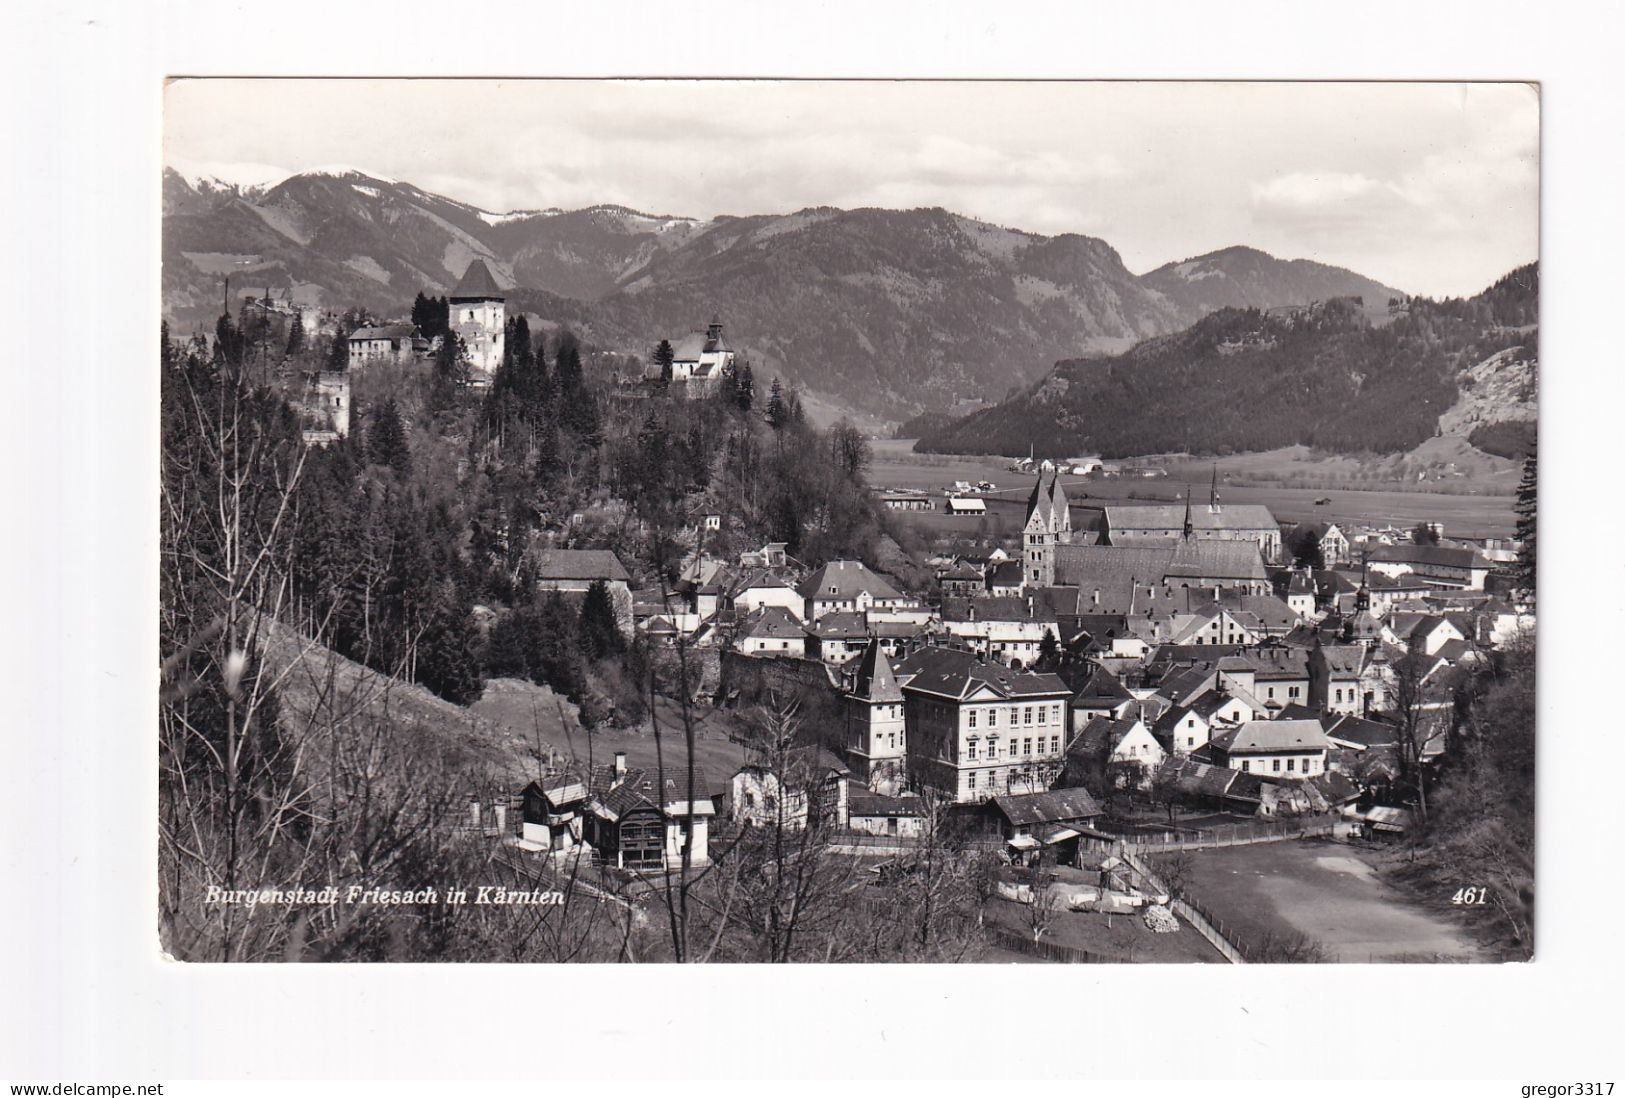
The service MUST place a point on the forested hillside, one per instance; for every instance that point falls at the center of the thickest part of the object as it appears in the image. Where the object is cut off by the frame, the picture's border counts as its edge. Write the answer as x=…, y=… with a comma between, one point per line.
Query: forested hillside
x=885, y=313
x=1244, y=379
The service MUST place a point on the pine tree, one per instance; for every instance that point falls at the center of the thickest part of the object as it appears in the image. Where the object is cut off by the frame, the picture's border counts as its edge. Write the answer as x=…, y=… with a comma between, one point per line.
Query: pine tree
x=567, y=365
x=338, y=352
x=664, y=356
x=296, y=337
x=1525, y=508
x=744, y=389
x=547, y=452
x=386, y=439
x=1049, y=652
x=778, y=415
x=228, y=343
x=600, y=633
x=450, y=369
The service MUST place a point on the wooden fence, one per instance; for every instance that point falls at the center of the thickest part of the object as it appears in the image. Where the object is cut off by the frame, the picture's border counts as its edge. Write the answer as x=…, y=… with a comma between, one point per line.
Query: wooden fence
x=1049, y=951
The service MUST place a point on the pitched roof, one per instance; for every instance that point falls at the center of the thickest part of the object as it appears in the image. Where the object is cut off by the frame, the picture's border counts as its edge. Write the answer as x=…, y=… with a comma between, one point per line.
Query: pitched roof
x=845, y=579
x=1343, y=659
x=841, y=623
x=477, y=284
x=955, y=673
x=1100, y=686
x=1358, y=730
x=638, y=790
x=1437, y=555
x=1110, y=567
x=875, y=682
x=962, y=570
x=1161, y=517
x=1002, y=608
x=1006, y=573
x=1056, y=805
x=771, y=622
x=1048, y=500
x=384, y=331
x=1278, y=662
x=587, y=564
x=1272, y=736
x=1102, y=735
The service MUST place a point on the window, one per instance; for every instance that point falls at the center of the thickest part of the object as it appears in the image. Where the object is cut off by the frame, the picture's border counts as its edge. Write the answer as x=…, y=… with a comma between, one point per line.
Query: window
x=1054, y=744
x=1292, y=692
x=1246, y=767
x=1291, y=765
x=1272, y=691
x=972, y=723
x=1026, y=714
x=1277, y=766
x=972, y=783
x=1190, y=741
x=970, y=752
x=1026, y=747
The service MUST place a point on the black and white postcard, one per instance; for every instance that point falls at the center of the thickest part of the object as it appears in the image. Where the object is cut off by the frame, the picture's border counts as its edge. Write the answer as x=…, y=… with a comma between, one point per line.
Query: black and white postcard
x=803, y=521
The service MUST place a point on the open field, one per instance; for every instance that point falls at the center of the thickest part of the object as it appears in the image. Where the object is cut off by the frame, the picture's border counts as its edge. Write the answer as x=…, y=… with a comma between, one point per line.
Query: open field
x=1331, y=892
x=895, y=465
x=525, y=713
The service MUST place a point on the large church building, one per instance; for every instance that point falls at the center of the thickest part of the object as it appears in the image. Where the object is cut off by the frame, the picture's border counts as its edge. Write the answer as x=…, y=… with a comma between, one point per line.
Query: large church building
x=1171, y=523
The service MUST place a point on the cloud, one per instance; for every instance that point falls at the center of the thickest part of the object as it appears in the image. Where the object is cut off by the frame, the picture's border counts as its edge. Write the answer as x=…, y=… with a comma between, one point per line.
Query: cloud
x=1429, y=187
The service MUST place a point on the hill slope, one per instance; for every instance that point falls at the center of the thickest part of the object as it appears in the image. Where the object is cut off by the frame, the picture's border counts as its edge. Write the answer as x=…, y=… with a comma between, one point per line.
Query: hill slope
x=1242, y=379
x=883, y=311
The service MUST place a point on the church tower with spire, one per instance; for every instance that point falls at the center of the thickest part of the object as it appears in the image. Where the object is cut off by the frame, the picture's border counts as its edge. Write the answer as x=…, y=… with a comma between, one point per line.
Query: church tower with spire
x=1048, y=524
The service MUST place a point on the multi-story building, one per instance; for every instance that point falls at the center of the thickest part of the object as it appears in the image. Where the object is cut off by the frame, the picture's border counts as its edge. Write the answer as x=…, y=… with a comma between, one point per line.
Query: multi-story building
x=478, y=317
x=1278, y=749
x=876, y=734
x=848, y=585
x=978, y=729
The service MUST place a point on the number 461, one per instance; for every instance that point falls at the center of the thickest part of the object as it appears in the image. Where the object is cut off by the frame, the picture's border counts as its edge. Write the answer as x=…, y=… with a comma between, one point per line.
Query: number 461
x=1470, y=895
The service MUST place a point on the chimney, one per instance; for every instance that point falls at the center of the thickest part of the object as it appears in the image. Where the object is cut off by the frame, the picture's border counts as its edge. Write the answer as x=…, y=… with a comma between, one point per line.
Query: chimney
x=1097, y=596
x=972, y=609
x=620, y=767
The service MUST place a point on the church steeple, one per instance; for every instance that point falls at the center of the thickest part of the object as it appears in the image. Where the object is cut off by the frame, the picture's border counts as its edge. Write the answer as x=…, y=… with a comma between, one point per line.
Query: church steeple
x=1190, y=527
x=1213, y=493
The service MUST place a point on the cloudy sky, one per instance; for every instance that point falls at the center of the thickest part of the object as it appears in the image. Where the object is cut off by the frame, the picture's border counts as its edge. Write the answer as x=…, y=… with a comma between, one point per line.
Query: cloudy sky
x=1432, y=188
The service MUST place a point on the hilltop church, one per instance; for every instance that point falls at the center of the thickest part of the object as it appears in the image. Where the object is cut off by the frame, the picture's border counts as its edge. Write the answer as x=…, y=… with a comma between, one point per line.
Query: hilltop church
x=699, y=360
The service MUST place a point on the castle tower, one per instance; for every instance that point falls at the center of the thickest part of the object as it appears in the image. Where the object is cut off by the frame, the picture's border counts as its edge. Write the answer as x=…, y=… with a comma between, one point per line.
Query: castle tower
x=875, y=745
x=478, y=318
x=1048, y=524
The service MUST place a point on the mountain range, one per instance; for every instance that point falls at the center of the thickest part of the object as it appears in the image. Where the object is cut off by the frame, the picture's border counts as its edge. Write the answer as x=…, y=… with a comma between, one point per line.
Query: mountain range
x=882, y=312
x=1330, y=377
